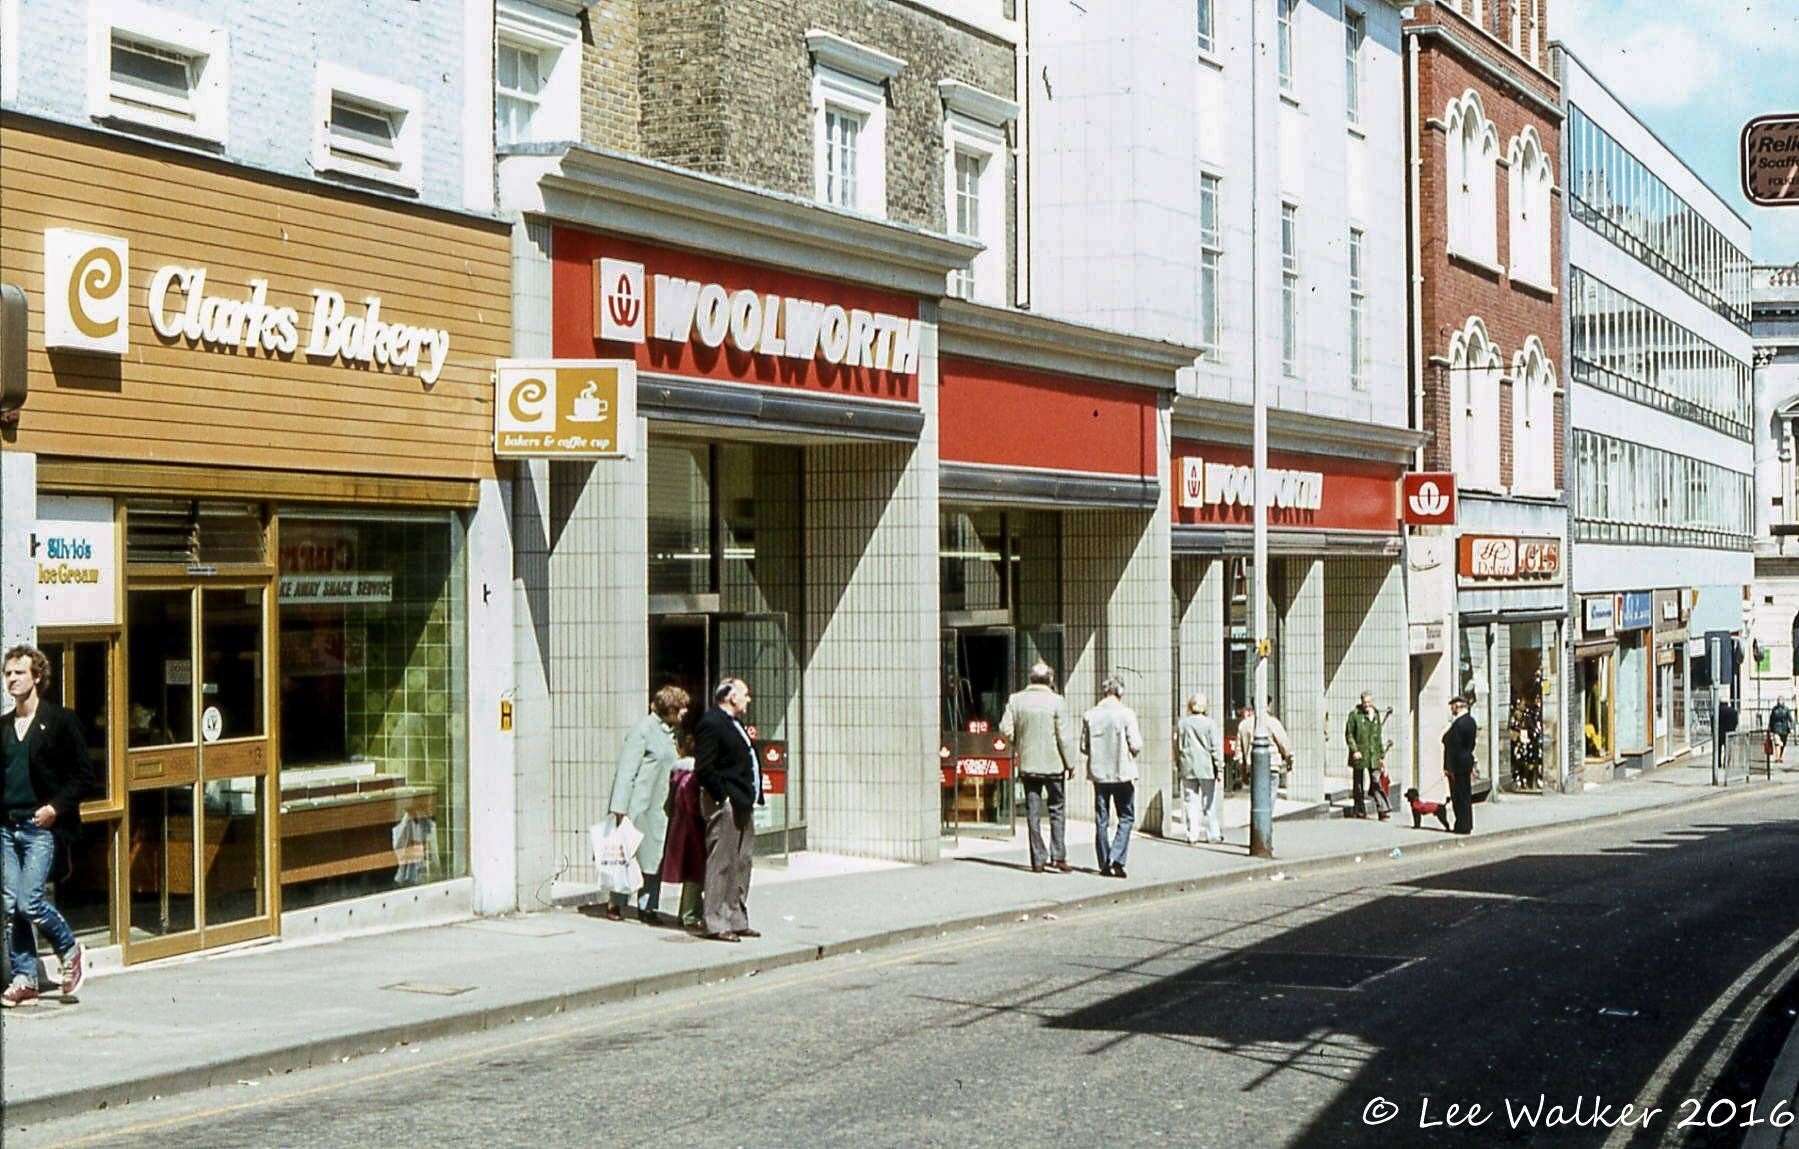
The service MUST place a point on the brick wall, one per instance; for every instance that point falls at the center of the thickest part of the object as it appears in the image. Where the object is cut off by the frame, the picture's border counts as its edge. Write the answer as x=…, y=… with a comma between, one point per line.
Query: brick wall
x=725, y=87
x=611, y=110
x=1455, y=289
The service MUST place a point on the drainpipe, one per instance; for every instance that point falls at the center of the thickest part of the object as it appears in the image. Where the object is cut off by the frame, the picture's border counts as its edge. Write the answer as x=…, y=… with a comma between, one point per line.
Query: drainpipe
x=1414, y=176
x=1024, y=156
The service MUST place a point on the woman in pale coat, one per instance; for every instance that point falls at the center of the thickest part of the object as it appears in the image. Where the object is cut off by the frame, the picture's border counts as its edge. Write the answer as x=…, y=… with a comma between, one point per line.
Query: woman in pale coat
x=640, y=793
x=1202, y=770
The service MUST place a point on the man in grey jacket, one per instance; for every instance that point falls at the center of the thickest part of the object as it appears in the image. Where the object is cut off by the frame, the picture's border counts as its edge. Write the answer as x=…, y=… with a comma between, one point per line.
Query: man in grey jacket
x=1111, y=740
x=1037, y=724
x=1202, y=770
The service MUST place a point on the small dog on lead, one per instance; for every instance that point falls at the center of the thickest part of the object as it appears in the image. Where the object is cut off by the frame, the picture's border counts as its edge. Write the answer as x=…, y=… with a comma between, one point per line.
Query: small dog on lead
x=1421, y=809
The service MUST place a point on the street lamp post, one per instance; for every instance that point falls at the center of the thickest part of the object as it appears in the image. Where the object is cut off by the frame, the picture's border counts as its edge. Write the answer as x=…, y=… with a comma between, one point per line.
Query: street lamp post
x=1261, y=787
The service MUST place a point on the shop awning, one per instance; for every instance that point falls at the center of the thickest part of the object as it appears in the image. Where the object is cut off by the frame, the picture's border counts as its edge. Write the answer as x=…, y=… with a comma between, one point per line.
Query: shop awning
x=677, y=400
x=1216, y=541
x=1006, y=486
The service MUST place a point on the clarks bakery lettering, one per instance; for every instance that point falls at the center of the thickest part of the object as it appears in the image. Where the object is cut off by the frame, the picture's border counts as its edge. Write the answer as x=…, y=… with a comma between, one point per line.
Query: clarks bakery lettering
x=755, y=322
x=180, y=308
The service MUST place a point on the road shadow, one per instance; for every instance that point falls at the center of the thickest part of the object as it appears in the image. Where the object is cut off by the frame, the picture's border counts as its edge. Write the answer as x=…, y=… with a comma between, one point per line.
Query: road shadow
x=1523, y=976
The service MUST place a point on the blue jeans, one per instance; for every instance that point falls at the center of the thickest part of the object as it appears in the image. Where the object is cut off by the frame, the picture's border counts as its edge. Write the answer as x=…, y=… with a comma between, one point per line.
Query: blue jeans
x=26, y=854
x=1123, y=796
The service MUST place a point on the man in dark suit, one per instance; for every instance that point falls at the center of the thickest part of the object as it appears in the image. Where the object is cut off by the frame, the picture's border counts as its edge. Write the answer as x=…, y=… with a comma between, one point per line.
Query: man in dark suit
x=1458, y=763
x=725, y=768
x=47, y=771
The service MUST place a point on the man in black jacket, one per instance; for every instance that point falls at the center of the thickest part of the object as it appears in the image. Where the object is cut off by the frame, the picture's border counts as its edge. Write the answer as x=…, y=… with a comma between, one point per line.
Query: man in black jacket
x=46, y=771
x=1458, y=763
x=724, y=766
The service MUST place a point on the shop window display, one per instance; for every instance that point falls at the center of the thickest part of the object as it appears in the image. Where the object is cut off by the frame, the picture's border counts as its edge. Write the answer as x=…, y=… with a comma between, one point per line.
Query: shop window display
x=373, y=779
x=1596, y=718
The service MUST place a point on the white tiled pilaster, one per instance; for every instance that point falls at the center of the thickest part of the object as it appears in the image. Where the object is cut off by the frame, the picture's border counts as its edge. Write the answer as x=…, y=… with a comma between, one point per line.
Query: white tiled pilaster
x=1118, y=603
x=1301, y=655
x=871, y=685
x=1199, y=616
x=1364, y=649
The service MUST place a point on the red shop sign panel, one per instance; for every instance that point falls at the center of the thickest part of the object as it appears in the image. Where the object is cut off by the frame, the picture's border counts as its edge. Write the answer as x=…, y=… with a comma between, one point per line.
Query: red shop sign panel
x=995, y=414
x=772, y=757
x=683, y=313
x=1215, y=486
x=1428, y=498
x=1509, y=559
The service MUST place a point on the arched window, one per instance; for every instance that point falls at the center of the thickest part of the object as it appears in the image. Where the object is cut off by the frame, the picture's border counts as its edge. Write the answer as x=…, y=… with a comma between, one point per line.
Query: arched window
x=1473, y=157
x=1474, y=370
x=1533, y=420
x=1528, y=184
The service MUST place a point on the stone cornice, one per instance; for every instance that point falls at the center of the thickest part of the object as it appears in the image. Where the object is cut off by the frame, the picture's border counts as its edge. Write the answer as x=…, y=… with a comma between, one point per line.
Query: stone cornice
x=864, y=63
x=607, y=191
x=1215, y=420
x=976, y=104
x=1026, y=339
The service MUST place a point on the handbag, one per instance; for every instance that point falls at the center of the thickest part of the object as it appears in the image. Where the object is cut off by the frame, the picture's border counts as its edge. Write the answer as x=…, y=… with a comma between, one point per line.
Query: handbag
x=1386, y=783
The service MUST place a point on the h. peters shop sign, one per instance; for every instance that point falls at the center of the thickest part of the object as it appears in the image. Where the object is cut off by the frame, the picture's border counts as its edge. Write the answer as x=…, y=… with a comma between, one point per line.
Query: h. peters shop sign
x=681, y=313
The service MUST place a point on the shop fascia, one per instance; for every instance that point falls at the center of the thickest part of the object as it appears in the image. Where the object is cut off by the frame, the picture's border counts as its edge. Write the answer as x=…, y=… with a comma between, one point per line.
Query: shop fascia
x=763, y=323
x=222, y=321
x=1212, y=484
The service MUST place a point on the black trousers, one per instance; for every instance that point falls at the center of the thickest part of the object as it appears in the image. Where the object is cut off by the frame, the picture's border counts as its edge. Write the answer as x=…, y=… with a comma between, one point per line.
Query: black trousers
x=1461, y=800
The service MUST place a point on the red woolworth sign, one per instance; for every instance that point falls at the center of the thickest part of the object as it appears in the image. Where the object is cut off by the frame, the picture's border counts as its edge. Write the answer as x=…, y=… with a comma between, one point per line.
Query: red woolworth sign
x=682, y=313
x=1215, y=486
x=1428, y=499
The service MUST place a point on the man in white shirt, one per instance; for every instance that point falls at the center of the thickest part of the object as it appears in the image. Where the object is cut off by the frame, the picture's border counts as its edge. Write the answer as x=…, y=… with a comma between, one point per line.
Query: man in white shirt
x=1278, y=741
x=1111, y=741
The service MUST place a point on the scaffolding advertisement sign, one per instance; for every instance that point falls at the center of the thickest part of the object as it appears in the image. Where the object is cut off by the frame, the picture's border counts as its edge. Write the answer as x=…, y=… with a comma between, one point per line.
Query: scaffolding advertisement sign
x=1771, y=160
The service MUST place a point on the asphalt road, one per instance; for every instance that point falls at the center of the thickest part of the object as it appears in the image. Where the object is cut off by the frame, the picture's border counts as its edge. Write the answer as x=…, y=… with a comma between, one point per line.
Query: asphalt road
x=1619, y=961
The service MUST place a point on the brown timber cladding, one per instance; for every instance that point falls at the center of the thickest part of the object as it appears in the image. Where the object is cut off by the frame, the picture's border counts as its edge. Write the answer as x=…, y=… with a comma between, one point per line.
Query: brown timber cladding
x=172, y=401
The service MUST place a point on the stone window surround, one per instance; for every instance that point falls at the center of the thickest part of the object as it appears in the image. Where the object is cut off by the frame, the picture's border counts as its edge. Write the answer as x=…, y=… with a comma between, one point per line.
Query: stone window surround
x=852, y=78
x=1473, y=217
x=335, y=80
x=1533, y=272
x=171, y=30
x=552, y=29
x=1474, y=389
x=975, y=123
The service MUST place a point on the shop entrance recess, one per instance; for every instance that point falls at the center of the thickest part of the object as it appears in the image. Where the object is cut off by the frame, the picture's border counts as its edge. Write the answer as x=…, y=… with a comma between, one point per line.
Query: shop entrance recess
x=694, y=651
x=198, y=717
x=983, y=666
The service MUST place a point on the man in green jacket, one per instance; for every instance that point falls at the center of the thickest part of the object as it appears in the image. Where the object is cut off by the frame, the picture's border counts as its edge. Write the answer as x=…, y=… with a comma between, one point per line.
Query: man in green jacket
x=1367, y=747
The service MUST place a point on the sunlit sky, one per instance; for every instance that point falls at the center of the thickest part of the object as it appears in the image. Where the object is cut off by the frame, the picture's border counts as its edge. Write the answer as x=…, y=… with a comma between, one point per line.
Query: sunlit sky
x=1695, y=71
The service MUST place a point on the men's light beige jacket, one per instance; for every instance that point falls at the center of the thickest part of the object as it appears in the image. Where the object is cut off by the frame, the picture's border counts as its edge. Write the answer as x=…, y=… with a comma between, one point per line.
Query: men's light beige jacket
x=1038, y=725
x=1111, y=741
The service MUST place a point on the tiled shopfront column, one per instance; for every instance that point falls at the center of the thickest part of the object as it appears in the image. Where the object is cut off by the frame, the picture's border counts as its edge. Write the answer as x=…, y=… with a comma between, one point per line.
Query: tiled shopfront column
x=1301, y=654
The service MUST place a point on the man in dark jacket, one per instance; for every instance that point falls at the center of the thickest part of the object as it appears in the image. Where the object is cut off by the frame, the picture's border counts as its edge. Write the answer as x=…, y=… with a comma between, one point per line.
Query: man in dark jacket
x=1780, y=729
x=47, y=770
x=1458, y=763
x=724, y=766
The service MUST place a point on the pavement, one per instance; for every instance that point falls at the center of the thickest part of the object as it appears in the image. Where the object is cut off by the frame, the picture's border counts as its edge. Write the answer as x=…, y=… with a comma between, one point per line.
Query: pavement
x=246, y=1016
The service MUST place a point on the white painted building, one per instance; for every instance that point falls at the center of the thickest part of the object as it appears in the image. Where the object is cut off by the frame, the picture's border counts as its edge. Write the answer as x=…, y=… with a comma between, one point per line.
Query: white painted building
x=1660, y=356
x=1260, y=216
x=1775, y=607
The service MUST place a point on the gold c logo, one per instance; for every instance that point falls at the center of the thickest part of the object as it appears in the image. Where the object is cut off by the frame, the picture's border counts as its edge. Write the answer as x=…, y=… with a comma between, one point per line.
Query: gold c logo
x=98, y=275
x=526, y=401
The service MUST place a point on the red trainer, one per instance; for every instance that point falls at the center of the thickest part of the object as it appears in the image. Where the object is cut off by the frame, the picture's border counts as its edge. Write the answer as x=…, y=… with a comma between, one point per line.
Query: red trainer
x=74, y=970
x=20, y=992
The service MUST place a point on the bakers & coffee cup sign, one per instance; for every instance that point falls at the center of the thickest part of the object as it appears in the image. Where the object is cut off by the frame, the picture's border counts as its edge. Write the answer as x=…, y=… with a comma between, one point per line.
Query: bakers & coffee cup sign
x=565, y=408
x=87, y=281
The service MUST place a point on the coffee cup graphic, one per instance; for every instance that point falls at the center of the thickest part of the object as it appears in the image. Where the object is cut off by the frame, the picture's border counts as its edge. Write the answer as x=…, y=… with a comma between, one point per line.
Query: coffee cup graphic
x=588, y=406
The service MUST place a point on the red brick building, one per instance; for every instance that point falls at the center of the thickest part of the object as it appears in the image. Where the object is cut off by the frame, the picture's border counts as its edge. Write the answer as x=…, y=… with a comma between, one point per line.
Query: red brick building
x=1484, y=120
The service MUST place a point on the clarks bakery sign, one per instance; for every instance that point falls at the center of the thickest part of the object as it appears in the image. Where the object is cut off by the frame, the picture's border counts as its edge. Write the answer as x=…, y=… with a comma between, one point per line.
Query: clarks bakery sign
x=87, y=308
